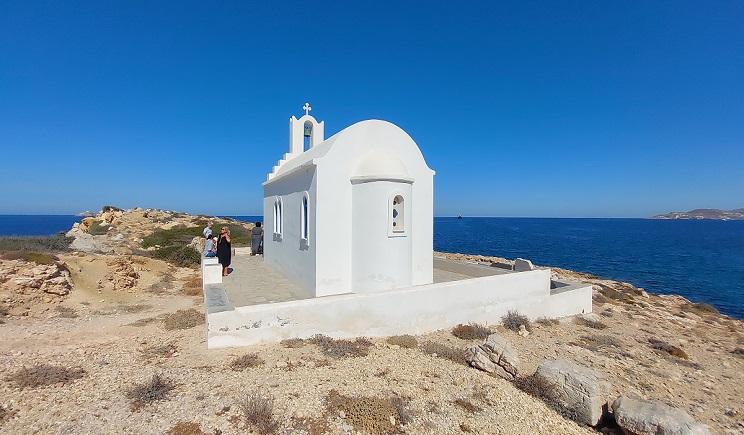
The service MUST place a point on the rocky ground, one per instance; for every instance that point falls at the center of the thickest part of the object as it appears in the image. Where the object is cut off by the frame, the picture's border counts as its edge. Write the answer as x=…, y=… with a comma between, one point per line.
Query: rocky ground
x=84, y=335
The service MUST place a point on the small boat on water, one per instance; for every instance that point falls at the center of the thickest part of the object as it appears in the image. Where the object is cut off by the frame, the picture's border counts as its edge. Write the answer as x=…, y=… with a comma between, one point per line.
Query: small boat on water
x=459, y=216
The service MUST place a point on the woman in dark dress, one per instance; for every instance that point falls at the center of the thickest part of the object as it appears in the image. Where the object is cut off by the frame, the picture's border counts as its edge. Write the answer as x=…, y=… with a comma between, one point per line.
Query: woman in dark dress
x=224, y=253
x=256, y=239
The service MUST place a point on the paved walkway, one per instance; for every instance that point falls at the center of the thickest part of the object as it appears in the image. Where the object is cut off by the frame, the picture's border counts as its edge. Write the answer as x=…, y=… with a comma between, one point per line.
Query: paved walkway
x=252, y=282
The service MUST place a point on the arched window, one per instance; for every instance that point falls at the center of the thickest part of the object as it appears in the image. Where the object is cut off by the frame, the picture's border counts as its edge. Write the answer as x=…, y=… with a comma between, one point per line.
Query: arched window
x=397, y=215
x=304, y=218
x=278, y=216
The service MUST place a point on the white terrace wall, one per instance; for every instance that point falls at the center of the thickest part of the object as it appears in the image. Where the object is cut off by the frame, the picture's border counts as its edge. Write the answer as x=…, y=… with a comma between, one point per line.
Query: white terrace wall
x=415, y=310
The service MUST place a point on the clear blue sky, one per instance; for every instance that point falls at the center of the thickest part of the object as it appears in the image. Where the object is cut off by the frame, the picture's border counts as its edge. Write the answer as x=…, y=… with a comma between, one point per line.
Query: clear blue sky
x=565, y=109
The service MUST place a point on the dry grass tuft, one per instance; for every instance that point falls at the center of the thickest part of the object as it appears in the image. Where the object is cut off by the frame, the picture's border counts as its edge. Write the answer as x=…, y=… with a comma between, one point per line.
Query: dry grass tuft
x=598, y=342
x=668, y=348
x=157, y=388
x=547, y=321
x=538, y=387
x=246, y=361
x=738, y=351
x=311, y=426
x=406, y=341
x=192, y=286
x=186, y=428
x=513, y=320
x=293, y=343
x=373, y=415
x=702, y=308
x=341, y=348
x=258, y=412
x=595, y=324
x=443, y=351
x=42, y=375
x=183, y=319
x=473, y=331
x=129, y=309
x=160, y=351
x=465, y=428
x=467, y=405
x=65, y=312
x=7, y=413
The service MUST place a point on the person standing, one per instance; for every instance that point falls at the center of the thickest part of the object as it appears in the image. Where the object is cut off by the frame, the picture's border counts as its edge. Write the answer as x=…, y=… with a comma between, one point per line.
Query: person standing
x=224, y=252
x=208, y=230
x=256, y=239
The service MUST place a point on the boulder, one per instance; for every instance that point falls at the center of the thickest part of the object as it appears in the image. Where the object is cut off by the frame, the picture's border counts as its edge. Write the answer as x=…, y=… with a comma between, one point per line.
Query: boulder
x=522, y=265
x=496, y=356
x=572, y=389
x=645, y=417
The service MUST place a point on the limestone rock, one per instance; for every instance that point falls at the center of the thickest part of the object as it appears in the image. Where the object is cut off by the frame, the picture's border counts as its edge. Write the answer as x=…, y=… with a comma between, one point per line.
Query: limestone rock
x=573, y=389
x=522, y=265
x=495, y=355
x=644, y=417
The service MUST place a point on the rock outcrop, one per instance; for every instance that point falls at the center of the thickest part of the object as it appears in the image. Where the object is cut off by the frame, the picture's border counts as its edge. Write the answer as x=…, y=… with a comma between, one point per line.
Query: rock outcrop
x=496, y=356
x=24, y=283
x=573, y=389
x=645, y=417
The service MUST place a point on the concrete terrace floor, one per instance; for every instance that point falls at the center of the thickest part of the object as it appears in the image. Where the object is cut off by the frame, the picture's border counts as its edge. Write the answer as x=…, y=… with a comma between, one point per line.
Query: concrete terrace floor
x=251, y=282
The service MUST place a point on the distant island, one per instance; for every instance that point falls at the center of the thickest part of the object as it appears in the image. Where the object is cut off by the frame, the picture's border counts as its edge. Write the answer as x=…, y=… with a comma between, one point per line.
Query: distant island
x=704, y=213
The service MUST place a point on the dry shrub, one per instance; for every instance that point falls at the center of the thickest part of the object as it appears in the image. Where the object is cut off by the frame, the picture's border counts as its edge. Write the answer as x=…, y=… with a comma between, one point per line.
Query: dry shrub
x=65, y=312
x=467, y=405
x=157, y=388
x=311, y=426
x=192, y=286
x=595, y=324
x=473, y=331
x=513, y=320
x=598, y=342
x=547, y=321
x=738, y=351
x=246, y=361
x=183, y=319
x=42, y=375
x=668, y=348
x=186, y=428
x=370, y=414
x=293, y=343
x=258, y=412
x=556, y=399
x=129, y=309
x=607, y=313
x=160, y=351
x=407, y=341
x=6, y=413
x=193, y=292
x=443, y=351
x=145, y=321
x=341, y=348
x=702, y=307
x=465, y=428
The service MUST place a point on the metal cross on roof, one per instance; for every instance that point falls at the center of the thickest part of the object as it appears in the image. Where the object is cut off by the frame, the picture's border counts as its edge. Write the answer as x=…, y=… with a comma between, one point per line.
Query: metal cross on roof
x=307, y=108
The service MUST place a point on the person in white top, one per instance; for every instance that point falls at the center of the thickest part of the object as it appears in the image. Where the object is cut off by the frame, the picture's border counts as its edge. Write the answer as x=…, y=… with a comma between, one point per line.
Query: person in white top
x=208, y=230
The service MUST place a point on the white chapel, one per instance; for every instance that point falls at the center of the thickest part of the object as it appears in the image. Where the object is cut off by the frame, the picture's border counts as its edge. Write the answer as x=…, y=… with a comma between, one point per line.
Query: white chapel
x=352, y=213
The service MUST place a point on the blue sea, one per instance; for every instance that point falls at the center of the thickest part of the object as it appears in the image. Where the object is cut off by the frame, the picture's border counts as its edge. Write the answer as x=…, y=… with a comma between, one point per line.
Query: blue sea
x=702, y=260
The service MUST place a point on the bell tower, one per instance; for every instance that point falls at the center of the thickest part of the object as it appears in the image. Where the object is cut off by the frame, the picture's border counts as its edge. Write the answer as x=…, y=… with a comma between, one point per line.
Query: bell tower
x=300, y=130
x=305, y=127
